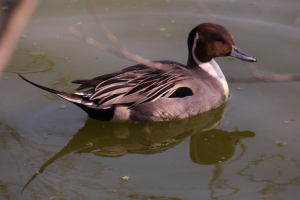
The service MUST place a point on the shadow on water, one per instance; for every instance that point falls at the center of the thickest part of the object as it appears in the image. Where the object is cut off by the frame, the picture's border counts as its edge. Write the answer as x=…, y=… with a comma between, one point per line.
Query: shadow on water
x=207, y=146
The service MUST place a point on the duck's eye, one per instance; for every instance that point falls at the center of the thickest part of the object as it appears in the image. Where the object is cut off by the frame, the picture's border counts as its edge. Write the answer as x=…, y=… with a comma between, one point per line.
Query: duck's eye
x=219, y=40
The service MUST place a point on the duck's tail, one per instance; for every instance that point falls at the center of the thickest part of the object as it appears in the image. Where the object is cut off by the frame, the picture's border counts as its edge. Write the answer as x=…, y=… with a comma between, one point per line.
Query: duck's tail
x=90, y=107
x=69, y=97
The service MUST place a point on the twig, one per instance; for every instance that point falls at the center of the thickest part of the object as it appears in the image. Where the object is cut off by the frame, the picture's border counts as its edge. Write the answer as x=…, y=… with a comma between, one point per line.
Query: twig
x=105, y=30
x=15, y=22
x=297, y=20
x=266, y=78
x=94, y=42
x=208, y=12
x=128, y=56
x=257, y=76
x=121, y=52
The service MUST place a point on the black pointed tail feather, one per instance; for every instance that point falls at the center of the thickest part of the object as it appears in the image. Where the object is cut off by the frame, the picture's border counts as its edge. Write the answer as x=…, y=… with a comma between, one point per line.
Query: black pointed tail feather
x=80, y=81
x=60, y=93
x=42, y=87
x=98, y=114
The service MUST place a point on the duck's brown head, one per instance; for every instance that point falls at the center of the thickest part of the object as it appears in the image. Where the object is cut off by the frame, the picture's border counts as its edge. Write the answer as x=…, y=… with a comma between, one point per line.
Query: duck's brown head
x=207, y=41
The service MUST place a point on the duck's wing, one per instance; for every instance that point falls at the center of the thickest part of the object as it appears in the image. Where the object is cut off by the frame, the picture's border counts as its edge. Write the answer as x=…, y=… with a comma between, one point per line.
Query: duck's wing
x=134, y=85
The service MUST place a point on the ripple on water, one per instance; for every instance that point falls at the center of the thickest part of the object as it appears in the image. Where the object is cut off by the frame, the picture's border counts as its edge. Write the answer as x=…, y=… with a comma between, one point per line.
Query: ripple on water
x=25, y=62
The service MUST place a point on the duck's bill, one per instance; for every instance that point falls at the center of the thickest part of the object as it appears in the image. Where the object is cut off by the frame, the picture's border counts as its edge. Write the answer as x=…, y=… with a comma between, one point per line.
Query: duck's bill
x=237, y=53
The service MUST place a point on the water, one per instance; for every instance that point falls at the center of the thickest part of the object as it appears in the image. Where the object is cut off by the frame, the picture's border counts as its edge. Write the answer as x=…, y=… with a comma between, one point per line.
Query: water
x=228, y=153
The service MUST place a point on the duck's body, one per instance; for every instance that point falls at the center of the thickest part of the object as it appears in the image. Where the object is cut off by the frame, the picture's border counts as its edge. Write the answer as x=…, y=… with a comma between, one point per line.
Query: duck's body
x=173, y=91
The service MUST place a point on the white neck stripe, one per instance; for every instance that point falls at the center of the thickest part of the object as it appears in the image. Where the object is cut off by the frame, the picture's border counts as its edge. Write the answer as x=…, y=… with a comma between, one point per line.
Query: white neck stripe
x=211, y=67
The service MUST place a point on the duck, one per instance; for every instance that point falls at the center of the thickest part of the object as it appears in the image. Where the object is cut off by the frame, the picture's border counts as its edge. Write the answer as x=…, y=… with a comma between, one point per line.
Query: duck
x=174, y=91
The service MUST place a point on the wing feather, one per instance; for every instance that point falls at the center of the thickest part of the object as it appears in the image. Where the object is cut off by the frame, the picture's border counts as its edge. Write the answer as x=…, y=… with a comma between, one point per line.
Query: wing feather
x=109, y=82
x=134, y=85
x=154, y=95
x=110, y=91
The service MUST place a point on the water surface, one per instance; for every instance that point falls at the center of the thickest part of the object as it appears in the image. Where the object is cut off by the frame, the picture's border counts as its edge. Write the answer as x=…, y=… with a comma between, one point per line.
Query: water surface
x=228, y=153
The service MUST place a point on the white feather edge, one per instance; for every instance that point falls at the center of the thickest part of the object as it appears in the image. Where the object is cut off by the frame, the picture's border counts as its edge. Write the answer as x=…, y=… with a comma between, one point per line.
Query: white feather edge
x=85, y=103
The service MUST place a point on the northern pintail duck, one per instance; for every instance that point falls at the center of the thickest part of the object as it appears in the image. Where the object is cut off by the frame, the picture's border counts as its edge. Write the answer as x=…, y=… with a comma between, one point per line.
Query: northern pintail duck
x=174, y=91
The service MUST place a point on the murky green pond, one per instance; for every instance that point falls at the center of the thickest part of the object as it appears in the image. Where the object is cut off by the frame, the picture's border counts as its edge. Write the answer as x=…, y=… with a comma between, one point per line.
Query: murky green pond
x=49, y=147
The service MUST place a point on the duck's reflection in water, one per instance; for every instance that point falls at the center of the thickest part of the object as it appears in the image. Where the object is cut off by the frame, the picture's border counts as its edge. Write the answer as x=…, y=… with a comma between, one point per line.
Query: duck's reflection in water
x=208, y=145
x=215, y=145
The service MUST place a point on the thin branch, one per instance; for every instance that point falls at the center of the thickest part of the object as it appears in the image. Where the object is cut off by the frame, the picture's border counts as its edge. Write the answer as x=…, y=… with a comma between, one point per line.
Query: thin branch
x=108, y=49
x=94, y=42
x=297, y=20
x=121, y=52
x=257, y=76
x=208, y=12
x=105, y=30
x=16, y=20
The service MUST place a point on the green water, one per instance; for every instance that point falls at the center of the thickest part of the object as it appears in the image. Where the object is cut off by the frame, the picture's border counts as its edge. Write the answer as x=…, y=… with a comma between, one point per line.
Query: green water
x=227, y=153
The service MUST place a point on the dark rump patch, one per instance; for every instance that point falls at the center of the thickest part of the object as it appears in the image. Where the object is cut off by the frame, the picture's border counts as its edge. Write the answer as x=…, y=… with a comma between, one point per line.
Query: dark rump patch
x=98, y=114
